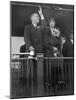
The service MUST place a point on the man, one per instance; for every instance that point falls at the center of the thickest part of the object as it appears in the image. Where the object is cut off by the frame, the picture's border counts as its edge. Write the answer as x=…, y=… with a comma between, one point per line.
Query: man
x=33, y=37
x=68, y=51
x=33, y=33
x=68, y=47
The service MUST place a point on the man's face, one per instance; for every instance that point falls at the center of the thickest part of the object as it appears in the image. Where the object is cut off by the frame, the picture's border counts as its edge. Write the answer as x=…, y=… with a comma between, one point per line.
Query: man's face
x=35, y=18
x=63, y=39
x=52, y=23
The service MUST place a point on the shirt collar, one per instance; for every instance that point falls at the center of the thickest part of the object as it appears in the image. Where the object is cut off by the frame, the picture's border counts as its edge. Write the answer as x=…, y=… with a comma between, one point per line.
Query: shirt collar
x=34, y=25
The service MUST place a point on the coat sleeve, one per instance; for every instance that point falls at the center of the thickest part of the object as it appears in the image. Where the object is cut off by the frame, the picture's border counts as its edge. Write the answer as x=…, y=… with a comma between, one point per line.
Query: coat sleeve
x=27, y=37
x=48, y=42
x=43, y=24
x=59, y=45
x=64, y=50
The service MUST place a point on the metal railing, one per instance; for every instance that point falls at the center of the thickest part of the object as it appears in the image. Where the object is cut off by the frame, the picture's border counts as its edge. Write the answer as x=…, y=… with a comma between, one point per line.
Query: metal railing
x=42, y=71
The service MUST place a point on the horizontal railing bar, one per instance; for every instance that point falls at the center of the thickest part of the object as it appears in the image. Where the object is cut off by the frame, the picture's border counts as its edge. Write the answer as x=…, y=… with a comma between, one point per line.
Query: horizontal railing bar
x=26, y=53
x=26, y=58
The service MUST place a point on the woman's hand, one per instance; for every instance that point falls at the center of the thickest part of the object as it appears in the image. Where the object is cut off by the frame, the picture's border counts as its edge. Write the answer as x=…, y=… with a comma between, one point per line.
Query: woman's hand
x=57, y=32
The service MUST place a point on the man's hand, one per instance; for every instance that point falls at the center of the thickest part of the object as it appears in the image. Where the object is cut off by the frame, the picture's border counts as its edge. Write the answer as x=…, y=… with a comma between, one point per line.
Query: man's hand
x=40, y=13
x=32, y=52
x=40, y=10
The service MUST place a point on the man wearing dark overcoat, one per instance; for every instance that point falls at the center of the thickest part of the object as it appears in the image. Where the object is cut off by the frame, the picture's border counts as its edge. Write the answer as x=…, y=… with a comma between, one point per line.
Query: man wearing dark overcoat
x=33, y=37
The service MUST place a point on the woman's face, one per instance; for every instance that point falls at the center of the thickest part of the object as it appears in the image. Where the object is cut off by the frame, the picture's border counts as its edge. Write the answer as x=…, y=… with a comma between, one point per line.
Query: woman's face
x=52, y=23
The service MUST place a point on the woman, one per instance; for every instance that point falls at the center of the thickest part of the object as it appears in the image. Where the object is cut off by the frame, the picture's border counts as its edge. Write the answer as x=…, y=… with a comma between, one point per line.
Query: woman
x=52, y=41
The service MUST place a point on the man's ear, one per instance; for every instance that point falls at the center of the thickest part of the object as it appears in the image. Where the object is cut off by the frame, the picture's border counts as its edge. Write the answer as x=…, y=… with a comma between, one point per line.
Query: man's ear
x=31, y=17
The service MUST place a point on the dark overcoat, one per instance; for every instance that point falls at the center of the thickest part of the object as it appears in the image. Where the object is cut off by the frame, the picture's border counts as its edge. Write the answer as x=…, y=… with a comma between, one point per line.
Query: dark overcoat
x=33, y=37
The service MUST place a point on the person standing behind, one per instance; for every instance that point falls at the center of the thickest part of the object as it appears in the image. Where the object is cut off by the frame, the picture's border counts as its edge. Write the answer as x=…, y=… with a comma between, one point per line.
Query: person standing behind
x=68, y=47
x=68, y=53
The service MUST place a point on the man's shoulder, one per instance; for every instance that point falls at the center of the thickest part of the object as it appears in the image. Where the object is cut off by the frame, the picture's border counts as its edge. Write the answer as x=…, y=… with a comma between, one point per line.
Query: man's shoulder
x=28, y=26
x=67, y=43
x=46, y=30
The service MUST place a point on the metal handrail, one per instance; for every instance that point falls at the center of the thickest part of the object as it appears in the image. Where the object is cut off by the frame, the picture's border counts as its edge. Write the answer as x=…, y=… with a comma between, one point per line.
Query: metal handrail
x=42, y=58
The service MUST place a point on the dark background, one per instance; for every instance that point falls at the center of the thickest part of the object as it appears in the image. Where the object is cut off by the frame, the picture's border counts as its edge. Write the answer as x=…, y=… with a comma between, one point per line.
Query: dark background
x=20, y=16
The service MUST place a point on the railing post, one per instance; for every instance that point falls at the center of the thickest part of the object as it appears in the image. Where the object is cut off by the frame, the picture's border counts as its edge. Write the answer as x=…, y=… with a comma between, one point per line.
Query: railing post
x=40, y=87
